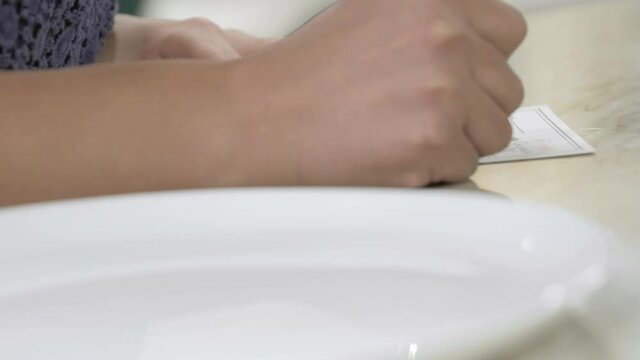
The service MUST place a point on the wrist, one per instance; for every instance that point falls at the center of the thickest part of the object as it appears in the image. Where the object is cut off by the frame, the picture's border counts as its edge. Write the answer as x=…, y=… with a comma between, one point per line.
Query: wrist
x=269, y=116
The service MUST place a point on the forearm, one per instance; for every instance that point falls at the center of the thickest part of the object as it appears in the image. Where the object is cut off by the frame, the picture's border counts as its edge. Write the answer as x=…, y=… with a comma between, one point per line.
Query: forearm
x=124, y=128
x=332, y=104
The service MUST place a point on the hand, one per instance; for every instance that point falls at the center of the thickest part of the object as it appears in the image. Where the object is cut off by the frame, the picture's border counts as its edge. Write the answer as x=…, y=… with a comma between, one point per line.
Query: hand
x=136, y=39
x=392, y=93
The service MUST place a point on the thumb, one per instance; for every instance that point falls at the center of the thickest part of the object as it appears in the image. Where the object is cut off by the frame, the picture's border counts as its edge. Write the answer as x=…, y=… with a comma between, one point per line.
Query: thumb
x=186, y=44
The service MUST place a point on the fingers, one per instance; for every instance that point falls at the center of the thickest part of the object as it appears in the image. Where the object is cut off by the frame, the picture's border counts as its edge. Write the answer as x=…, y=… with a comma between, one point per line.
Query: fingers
x=492, y=91
x=494, y=75
x=212, y=49
x=193, y=39
x=488, y=127
x=202, y=39
x=446, y=156
x=186, y=45
x=498, y=23
x=246, y=44
x=461, y=161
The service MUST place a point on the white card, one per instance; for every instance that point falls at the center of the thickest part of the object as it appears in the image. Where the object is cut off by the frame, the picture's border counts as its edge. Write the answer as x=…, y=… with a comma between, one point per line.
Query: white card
x=538, y=133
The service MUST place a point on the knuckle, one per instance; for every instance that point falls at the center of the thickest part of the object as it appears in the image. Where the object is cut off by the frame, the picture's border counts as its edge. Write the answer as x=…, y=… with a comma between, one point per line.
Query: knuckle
x=518, y=94
x=505, y=134
x=519, y=28
x=502, y=135
x=513, y=95
x=441, y=92
x=430, y=138
x=522, y=28
x=201, y=23
x=445, y=35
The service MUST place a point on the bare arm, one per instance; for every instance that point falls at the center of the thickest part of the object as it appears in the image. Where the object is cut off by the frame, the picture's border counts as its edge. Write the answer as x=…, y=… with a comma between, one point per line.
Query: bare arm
x=131, y=125
x=372, y=92
x=123, y=128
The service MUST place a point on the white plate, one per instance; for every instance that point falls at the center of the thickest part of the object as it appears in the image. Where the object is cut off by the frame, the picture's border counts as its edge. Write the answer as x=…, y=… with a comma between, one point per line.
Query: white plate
x=287, y=274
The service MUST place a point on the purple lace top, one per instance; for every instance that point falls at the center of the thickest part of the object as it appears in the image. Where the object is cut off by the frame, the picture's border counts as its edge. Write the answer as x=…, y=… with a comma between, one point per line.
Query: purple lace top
x=45, y=34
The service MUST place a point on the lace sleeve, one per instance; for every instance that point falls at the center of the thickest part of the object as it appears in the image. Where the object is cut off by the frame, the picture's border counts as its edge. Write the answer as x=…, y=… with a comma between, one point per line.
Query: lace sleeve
x=42, y=34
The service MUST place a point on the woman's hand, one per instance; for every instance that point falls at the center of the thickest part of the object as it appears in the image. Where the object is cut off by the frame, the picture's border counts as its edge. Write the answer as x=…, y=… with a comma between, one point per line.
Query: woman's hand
x=136, y=39
x=389, y=93
x=372, y=92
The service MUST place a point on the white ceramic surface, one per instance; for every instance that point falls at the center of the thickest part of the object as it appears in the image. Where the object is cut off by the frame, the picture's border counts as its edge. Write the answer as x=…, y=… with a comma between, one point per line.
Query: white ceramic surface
x=297, y=274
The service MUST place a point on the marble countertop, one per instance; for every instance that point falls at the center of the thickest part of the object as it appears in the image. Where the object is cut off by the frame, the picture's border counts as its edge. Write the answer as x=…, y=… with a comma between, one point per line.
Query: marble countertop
x=584, y=61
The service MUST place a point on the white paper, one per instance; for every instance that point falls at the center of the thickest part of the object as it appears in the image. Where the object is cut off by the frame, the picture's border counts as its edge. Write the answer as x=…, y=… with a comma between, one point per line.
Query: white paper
x=538, y=133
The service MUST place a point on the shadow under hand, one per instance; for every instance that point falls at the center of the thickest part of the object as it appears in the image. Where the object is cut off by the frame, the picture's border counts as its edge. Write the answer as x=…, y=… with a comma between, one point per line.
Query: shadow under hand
x=468, y=186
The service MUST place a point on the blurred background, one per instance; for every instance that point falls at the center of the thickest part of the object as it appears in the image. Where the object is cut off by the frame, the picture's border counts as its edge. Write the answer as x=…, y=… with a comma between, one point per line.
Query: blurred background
x=260, y=17
x=130, y=6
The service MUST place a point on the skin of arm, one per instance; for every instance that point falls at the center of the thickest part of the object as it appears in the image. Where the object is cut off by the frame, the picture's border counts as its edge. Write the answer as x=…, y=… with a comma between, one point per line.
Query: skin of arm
x=126, y=125
x=126, y=128
x=370, y=93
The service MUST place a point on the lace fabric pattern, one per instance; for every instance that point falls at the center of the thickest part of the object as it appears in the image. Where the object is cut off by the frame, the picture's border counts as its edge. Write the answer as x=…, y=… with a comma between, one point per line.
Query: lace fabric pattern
x=49, y=34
